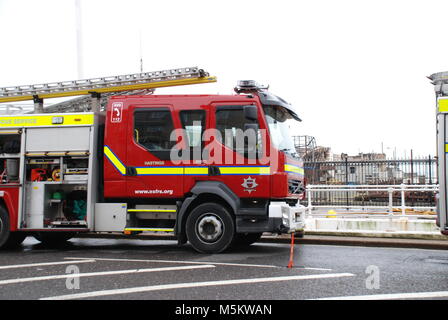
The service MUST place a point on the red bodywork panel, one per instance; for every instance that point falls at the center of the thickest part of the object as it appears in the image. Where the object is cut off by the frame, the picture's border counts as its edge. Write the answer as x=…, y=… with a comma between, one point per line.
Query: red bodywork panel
x=157, y=178
x=11, y=200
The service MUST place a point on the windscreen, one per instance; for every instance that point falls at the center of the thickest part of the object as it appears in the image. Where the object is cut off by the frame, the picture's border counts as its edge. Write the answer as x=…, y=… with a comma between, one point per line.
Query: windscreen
x=281, y=124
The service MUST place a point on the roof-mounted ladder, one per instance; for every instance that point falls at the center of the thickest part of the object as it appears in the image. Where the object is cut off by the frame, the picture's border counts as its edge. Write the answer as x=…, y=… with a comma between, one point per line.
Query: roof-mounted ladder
x=97, y=86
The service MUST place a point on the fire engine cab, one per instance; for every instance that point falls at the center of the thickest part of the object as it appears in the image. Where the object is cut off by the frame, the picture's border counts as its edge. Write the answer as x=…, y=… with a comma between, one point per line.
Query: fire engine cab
x=214, y=170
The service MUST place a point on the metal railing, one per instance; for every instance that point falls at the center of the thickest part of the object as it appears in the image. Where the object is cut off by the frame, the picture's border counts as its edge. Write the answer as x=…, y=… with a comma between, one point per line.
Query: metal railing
x=360, y=197
x=411, y=171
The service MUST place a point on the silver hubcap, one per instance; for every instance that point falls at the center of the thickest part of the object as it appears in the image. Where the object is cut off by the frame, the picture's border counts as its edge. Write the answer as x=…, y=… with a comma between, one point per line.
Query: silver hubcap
x=209, y=227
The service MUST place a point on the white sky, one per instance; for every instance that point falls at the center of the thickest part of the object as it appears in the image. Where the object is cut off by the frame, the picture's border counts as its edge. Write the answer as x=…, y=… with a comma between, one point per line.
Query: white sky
x=356, y=70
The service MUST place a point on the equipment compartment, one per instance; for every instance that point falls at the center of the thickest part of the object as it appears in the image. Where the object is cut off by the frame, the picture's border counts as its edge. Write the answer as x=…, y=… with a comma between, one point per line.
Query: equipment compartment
x=43, y=169
x=52, y=205
x=10, y=144
x=66, y=205
x=64, y=139
x=56, y=189
x=76, y=169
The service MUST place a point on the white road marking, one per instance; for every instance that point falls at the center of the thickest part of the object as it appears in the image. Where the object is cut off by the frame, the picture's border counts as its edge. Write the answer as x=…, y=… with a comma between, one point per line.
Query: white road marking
x=45, y=264
x=182, y=262
x=197, y=262
x=194, y=285
x=104, y=273
x=390, y=296
x=317, y=269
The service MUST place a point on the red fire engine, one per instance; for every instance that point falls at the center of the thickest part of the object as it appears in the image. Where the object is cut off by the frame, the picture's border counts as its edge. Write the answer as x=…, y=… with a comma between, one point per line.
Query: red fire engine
x=214, y=170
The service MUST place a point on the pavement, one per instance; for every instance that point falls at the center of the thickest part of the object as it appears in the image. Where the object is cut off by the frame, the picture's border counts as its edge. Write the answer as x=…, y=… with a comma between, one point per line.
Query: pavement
x=363, y=241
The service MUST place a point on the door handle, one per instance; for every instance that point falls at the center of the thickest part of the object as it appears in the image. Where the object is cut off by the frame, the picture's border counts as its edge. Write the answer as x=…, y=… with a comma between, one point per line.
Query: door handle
x=213, y=171
x=131, y=171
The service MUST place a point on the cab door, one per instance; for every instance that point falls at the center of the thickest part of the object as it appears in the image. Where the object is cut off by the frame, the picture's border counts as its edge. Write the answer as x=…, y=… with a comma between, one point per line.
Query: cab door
x=194, y=122
x=235, y=159
x=152, y=138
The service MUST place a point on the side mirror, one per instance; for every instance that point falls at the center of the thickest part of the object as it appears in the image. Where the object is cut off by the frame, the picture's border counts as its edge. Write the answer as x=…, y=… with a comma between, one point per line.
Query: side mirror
x=251, y=112
x=251, y=141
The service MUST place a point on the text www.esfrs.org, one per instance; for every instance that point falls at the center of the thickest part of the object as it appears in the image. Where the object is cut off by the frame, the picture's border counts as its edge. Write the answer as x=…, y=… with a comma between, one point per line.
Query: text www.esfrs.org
x=155, y=191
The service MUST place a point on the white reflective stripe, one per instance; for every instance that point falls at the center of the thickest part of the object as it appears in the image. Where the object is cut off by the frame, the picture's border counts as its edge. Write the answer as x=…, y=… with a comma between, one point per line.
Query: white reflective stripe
x=2, y=193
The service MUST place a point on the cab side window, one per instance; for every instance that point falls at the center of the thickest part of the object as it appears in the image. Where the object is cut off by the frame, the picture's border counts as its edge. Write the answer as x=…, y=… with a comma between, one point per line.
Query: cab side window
x=230, y=123
x=152, y=130
x=193, y=122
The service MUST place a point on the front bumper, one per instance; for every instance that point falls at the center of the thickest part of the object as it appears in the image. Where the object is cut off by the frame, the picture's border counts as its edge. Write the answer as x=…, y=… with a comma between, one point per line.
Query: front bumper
x=292, y=217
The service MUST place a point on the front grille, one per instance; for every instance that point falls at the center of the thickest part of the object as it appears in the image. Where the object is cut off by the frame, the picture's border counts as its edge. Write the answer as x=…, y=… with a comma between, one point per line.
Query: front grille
x=295, y=186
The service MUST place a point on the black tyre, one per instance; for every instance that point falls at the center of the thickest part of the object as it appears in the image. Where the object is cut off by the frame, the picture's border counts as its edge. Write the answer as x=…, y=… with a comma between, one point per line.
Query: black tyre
x=15, y=239
x=53, y=238
x=8, y=239
x=4, y=227
x=210, y=228
x=246, y=239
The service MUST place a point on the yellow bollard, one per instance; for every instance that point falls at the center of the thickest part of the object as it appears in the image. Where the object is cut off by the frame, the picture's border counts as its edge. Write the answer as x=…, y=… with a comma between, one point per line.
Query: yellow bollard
x=331, y=214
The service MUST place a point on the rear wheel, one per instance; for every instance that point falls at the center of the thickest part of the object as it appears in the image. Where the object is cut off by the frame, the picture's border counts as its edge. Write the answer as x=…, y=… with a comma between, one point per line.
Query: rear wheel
x=210, y=228
x=53, y=238
x=15, y=239
x=8, y=239
x=246, y=239
x=4, y=227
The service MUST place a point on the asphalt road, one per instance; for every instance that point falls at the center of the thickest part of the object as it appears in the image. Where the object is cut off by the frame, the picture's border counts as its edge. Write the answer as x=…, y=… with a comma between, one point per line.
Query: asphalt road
x=140, y=269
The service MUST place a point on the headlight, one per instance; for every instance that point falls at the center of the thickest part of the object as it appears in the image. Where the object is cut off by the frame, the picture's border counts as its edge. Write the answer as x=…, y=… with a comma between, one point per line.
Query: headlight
x=285, y=216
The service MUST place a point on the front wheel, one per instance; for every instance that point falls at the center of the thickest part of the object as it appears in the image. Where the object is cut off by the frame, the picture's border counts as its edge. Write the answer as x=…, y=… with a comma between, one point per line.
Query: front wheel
x=210, y=228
